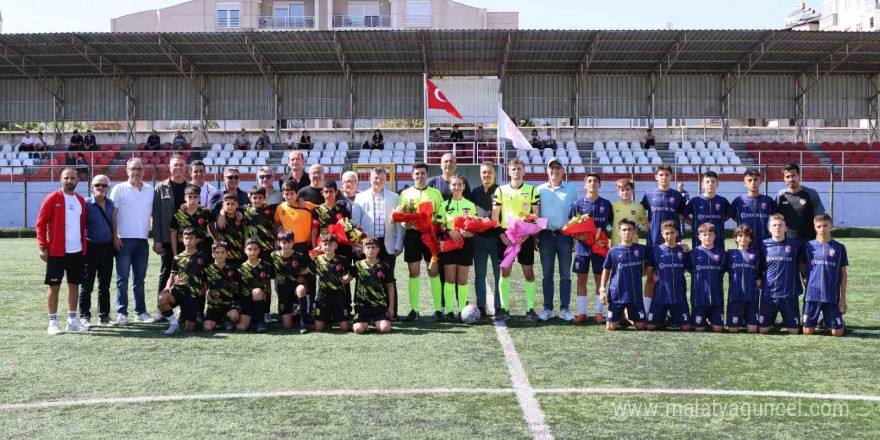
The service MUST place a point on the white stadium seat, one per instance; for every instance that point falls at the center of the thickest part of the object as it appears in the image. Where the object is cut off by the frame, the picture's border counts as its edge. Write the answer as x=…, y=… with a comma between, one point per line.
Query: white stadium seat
x=410, y=146
x=578, y=170
x=238, y=154
x=264, y=154
x=712, y=146
x=635, y=146
x=682, y=160
x=607, y=170
x=724, y=146
x=331, y=146
x=220, y=161
x=251, y=154
x=576, y=160
x=260, y=161
x=611, y=146
x=657, y=161
x=688, y=170
x=696, y=160
x=686, y=145
x=598, y=146
x=735, y=160
x=652, y=153
x=604, y=161
x=229, y=147
x=234, y=161
x=343, y=146
x=571, y=145
x=673, y=146
x=699, y=146
x=247, y=161
x=622, y=146
x=216, y=147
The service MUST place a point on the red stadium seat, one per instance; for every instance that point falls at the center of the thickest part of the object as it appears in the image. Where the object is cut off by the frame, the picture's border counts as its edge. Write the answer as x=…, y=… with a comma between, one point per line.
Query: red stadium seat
x=863, y=146
x=787, y=146
x=826, y=146
x=876, y=146
x=116, y=147
x=763, y=146
x=800, y=146
x=104, y=161
x=775, y=146
x=850, y=145
x=141, y=146
x=838, y=146
x=751, y=146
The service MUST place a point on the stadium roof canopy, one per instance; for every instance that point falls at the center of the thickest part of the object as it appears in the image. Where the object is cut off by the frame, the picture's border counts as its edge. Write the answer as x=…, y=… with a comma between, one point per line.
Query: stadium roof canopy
x=440, y=52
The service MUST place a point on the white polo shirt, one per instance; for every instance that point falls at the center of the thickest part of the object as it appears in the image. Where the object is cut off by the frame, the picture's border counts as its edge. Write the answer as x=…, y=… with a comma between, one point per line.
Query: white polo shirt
x=27, y=140
x=72, y=227
x=135, y=209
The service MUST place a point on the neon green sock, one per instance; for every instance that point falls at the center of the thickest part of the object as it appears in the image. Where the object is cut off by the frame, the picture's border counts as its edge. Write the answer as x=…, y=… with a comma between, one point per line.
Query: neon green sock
x=531, y=289
x=505, y=292
x=436, y=292
x=449, y=296
x=414, y=293
x=462, y=296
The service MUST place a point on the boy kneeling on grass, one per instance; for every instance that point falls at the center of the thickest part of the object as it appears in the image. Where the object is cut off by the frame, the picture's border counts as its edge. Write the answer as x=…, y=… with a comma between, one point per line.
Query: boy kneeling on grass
x=185, y=286
x=222, y=283
x=826, y=279
x=625, y=265
x=668, y=261
x=374, y=296
x=290, y=267
x=333, y=271
x=256, y=276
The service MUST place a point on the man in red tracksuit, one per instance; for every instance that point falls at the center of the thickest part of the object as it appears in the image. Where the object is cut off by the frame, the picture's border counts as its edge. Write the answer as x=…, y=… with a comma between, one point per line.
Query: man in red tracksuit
x=61, y=234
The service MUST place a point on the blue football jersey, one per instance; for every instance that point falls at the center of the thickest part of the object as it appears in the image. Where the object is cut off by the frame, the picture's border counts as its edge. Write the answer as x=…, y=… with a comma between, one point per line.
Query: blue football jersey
x=707, y=267
x=781, y=276
x=702, y=210
x=755, y=212
x=744, y=269
x=626, y=264
x=661, y=206
x=669, y=264
x=601, y=212
x=824, y=263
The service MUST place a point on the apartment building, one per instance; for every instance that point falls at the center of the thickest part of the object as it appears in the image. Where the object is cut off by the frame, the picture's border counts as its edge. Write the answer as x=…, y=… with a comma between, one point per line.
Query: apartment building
x=238, y=15
x=850, y=15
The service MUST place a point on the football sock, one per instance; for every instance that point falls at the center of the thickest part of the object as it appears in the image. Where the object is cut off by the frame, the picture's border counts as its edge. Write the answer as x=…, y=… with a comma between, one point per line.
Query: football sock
x=582, y=305
x=505, y=293
x=170, y=312
x=172, y=320
x=71, y=314
x=598, y=304
x=437, y=293
x=53, y=317
x=448, y=296
x=463, y=295
x=303, y=309
x=414, y=293
x=259, y=309
x=647, y=302
x=531, y=289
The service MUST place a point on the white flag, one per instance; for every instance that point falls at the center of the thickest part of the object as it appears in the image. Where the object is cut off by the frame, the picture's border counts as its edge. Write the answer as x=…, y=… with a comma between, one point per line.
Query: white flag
x=508, y=130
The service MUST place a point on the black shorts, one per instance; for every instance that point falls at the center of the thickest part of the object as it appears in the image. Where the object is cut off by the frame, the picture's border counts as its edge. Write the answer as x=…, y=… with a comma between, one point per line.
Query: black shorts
x=413, y=247
x=371, y=315
x=332, y=307
x=189, y=306
x=287, y=298
x=461, y=257
x=71, y=265
x=246, y=305
x=217, y=314
x=526, y=255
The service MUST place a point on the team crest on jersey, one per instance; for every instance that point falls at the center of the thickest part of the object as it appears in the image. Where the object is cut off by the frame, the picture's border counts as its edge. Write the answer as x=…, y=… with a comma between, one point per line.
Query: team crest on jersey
x=338, y=216
x=201, y=221
x=262, y=274
x=787, y=248
x=632, y=212
x=636, y=252
x=231, y=273
x=602, y=209
x=338, y=267
x=763, y=205
x=830, y=252
x=672, y=200
x=380, y=274
x=751, y=256
x=294, y=263
x=525, y=205
x=238, y=223
x=200, y=261
x=803, y=202
x=266, y=212
x=717, y=206
x=716, y=257
x=680, y=255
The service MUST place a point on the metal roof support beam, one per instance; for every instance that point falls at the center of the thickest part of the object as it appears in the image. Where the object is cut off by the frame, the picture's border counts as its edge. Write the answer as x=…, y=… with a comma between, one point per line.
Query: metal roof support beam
x=505, y=55
x=591, y=54
x=725, y=108
x=425, y=39
x=23, y=64
x=183, y=65
x=130, y=110
x=58, y=110
x=834, y=60
x=346, y=71
x=800, y=108
x=874, y=107
x=747, y=62
x=264, y=66
x=575, y=110
x=662, y=70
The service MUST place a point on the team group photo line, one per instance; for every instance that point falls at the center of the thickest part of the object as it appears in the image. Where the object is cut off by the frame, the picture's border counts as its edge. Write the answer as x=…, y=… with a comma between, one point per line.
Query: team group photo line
x=329, y=252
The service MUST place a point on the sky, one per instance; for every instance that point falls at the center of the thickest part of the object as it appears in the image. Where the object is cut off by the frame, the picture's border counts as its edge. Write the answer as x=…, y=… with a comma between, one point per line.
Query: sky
x=29, y=16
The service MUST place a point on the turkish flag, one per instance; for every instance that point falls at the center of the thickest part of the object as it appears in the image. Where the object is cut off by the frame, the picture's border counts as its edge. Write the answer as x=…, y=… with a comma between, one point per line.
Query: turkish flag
x=437, y=100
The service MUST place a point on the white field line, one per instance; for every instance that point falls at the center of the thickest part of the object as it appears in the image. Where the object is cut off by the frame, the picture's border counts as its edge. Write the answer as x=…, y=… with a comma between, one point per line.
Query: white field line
x=525, y=394
x=708, y=392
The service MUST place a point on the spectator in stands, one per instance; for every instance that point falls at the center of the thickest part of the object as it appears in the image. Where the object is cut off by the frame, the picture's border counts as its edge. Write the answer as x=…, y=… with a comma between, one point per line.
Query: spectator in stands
x=290, y=141
x=61, y=235
x=349, y=188
x=168, y=198
x=295, y=161
x=89, y=142
x=437, y=136
x=100, y=230
x=241, y=142
x=536, y=140
x=40, y=143
x=649, y=139
x=70, y=159
x=377, y=142
x=196, y=140
x=82, y=166
x=480, y=135
x=197, y=173
x=231, y=179
x=798, y=204
x=27, y=142
x=266, y=179
x=312, y=193
x=179, y=142
x=263, y=142
x=448, y=165
x=549, y=139
x=305, y=141
x=132, y=210
x=76, y=142
x=456, y=135
x=153, y=141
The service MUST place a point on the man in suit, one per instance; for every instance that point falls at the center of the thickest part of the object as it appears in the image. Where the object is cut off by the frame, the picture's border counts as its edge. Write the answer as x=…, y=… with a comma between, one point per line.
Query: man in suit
x=372, y=212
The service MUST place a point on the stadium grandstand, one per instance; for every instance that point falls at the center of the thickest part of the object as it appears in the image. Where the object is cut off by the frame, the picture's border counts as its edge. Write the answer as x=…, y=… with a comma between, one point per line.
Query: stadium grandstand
x=727, y=78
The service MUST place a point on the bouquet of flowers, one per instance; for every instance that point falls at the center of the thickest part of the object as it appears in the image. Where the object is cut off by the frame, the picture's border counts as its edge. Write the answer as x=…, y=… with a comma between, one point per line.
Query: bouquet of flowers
x=347, y=232
x=423, y=218
x=584, y=225
x=474, y=225
x=316, y=251
x=518, y=231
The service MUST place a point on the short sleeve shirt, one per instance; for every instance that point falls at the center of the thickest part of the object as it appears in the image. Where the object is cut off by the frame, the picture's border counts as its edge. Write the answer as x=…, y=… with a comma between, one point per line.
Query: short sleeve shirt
x=702, y=210
x=452, y=209
x=600, y=210
x=330, y=272
x=661, y=206
x=257, y=276
x=222, y=285
x=198, y=220
x=259, y=224
x=626, y=264
x=669, y=263
x=515, y=202
x=233, y=235
x=825, y=260
x=189, y=273
x=781, y=275
x=707, y=267
x=288, y=269
x=419, y=196
x=744, y=269
x=755, y=212
x=372, y=283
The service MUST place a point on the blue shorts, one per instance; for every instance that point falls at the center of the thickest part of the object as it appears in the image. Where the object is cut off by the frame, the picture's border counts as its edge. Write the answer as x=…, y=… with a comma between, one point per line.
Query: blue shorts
x=741, y=313
x=635, y=311
x=678, y=312
x=582, y=264
x=787, y=307
x=712, y=314
x=830, y=311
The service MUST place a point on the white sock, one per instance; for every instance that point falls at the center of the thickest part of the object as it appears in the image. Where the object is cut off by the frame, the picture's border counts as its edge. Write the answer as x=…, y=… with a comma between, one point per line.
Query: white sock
x=647, y=302
x=598, y=304
x=582, y=305
x=173, y=320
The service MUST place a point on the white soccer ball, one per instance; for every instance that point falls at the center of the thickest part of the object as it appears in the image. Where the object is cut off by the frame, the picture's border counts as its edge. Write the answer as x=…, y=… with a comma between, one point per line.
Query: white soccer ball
x=470, y=314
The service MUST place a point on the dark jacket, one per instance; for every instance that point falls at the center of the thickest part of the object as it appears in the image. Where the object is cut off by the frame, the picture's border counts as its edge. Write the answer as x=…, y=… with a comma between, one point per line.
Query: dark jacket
x=163, y=210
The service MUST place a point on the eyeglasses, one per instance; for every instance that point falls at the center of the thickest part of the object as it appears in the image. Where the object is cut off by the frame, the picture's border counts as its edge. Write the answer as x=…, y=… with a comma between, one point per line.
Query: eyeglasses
x=265, y=176
x=100, y=185
x=233, y=177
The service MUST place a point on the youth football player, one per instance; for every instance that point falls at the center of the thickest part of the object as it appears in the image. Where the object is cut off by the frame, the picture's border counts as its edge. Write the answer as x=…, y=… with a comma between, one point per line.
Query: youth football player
x=256, y=275
x=516, y=199
x=753, y=208
x=185, y=285
x=826, y=281
x=333, y=271
x=707, y=265
x=259, y=224
x=374, y=295
x=221, y=284
x=744, y=268
x=668, y=260
x=230, y=229
x=708, y=208
x=290, y=267
x=191, y=215
x=661, y=203
x=585, y=262
x=457, y=263
x=627, y=208
x=782, y=281
x=624, y=266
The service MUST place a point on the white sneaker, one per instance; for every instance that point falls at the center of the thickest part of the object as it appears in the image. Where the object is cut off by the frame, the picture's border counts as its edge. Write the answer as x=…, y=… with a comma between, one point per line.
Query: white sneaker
x=122, y=320
x=53, y=328
x=267, y=318
x=73, y=325
x=144, y=318
x=566, y=315
x=546, y=315
x=86, y=322
x=172, y=329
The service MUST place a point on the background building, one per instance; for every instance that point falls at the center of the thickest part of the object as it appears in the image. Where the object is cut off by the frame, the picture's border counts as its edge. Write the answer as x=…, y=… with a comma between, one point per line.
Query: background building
x=803, y=18
x=850, y=15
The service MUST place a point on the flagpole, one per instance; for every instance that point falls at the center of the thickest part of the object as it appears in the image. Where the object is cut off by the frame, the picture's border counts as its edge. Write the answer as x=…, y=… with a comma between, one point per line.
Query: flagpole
x=425, y=136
